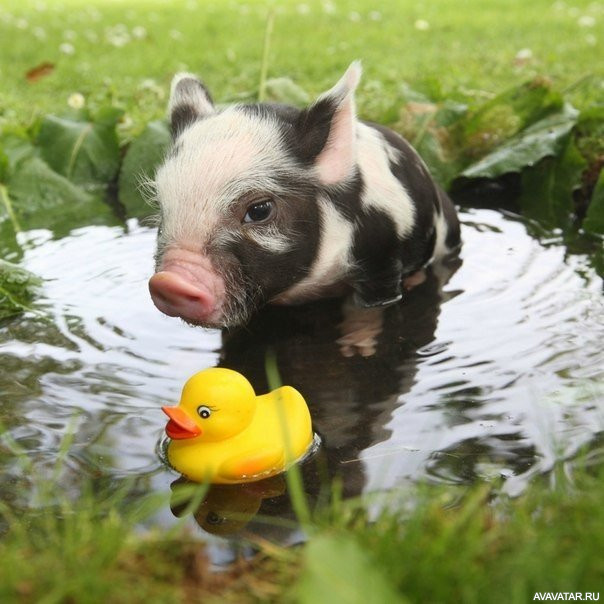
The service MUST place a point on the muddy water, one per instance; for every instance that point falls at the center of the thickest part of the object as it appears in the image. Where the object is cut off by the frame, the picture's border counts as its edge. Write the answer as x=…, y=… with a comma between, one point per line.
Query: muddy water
x=489, y=369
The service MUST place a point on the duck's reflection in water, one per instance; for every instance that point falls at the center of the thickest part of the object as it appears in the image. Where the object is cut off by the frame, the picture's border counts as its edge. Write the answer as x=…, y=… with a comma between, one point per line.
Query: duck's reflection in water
x=351, y=399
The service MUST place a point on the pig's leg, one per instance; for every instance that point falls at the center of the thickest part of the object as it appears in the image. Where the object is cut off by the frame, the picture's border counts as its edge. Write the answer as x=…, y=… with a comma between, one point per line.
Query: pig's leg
x=360, y=329
x=378, y=283
x=414, y=279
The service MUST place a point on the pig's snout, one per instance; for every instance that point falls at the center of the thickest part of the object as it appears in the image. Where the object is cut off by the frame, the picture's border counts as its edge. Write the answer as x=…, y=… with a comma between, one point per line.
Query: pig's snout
x=176, y=297
x=191, y=292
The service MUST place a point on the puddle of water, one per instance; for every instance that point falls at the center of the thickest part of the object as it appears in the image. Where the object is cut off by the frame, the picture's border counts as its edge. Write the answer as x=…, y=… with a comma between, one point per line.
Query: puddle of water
x=497, y=372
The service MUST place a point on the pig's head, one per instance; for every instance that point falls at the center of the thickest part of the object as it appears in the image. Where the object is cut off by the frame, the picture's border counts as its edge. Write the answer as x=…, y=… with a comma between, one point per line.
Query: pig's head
x=244, y=215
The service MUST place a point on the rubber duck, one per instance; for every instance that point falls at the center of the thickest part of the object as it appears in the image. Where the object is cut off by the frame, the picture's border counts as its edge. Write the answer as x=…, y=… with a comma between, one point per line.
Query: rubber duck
x=223, y=433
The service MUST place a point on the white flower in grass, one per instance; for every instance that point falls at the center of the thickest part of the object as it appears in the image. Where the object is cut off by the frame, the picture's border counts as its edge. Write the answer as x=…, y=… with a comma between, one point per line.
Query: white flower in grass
x=375, y=15
x=69, y=34
x=586, y=21
x=76, y=100
x=354, y=16
x=22, y=24
x=329, y=8
x=590, y=40
x=150, y=85
x=118, y=35
x=126, y=122
x=303, y=9
x=139, y=32
x=175, y=34
x=39, y=33
x=67, y=49
x=421, y=25
x=524, y=54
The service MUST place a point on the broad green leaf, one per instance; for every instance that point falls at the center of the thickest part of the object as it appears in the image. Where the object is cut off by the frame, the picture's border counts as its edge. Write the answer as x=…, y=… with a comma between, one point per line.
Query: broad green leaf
x=142, y=158
x=544, y=138
x=84, y=152
x=15, y=149
x=17, y=289
x=338, y=571
x=514, y=110
x=547, y=188
x=594, y=219
x=285, y=90
x=44, y=199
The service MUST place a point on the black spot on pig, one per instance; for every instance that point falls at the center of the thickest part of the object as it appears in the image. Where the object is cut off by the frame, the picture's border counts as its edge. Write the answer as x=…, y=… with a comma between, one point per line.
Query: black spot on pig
x=377, y=253
x=182, y=117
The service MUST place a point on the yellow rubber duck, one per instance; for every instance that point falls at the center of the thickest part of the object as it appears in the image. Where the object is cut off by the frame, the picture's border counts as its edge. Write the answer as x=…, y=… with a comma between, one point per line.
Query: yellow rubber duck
x=223, y=433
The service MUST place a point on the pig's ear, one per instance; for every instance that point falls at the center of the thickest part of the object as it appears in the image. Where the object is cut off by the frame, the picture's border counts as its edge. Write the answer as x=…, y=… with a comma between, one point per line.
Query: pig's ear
x=327, y=129
x=189, y=101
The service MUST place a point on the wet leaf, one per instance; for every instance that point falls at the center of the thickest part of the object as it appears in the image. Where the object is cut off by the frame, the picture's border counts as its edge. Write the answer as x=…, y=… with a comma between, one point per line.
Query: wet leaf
x=547, y=188
x=40, y=71
x=594, y=219
x=44, y=199
x=17, y=289
x=142, y=158
x=338, y=571
x=84, y=152
x=285, y=90
x=544, y=138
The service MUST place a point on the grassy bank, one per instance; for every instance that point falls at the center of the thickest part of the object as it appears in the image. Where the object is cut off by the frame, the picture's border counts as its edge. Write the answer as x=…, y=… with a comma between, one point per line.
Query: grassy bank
x=126, y=51
x=435, y=545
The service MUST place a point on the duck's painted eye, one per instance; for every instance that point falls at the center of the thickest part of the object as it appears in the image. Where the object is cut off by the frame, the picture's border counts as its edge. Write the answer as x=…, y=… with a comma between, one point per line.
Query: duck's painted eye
x=204, y=412
x=259, y=211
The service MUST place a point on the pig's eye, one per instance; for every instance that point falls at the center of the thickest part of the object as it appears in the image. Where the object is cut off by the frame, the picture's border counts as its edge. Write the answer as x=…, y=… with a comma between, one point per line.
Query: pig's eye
x=259, y=211
x=204, y=412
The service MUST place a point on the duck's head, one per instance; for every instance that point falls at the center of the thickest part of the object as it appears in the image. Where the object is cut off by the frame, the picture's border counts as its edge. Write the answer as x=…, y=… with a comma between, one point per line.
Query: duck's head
x=215, y=404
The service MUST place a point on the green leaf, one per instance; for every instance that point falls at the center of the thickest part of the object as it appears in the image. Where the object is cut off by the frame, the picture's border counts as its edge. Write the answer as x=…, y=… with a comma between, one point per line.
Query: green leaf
x=338, y=571
x=15, y=149
x=142, y=158
x=44, y=199
x=285, y=90
x=84, y=152
x=547, y=188
x=544, y=138
x=594, y=219
x=17, y=289
x=513, y=110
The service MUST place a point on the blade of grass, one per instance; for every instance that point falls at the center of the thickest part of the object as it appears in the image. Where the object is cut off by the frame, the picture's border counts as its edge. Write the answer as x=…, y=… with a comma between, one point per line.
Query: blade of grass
x=9, y=208
x=293, y=476
x=268, y=32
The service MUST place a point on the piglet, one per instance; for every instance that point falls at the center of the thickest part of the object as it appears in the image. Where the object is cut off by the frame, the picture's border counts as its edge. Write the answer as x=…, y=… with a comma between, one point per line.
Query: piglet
x=265, y=203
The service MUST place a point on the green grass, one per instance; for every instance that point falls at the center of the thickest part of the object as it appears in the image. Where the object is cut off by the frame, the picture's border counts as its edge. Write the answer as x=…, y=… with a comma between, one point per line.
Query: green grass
x=434, y=545
x=127, y=51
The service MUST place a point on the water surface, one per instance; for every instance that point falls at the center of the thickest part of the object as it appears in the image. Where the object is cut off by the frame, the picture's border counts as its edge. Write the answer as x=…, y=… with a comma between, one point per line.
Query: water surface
x=495, y=373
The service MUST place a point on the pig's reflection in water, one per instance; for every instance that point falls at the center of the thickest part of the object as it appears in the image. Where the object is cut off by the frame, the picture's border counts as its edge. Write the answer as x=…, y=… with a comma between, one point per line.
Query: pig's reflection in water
x=351, y=398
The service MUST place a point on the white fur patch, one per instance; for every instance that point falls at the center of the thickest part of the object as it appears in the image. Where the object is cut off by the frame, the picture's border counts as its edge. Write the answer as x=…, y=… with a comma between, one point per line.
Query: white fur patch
x=440, y=224
x=383, y=190
x=333, y=261
x=218, y=160
x=270, y=238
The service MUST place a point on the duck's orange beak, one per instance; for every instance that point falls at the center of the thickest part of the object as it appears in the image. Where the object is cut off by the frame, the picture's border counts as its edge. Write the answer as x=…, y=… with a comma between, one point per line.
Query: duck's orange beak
x=180, y=425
